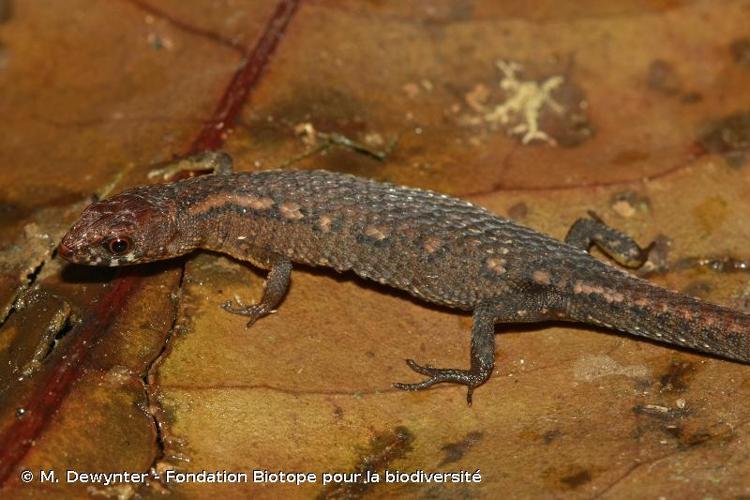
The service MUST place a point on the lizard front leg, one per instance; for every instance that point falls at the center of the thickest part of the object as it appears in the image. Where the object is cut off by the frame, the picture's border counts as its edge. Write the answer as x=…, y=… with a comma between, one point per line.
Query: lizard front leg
x=216, y=162
x=276, y=286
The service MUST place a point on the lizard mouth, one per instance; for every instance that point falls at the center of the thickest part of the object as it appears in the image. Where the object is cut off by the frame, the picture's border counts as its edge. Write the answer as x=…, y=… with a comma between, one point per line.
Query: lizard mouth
x=74, y=256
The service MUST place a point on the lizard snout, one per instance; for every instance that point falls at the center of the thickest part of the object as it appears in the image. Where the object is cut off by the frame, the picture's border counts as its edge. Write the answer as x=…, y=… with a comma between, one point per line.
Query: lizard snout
x=65, y=252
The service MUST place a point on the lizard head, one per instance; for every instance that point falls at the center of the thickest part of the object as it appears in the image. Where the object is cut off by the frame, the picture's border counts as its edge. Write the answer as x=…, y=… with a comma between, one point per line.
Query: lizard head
x=135, y=226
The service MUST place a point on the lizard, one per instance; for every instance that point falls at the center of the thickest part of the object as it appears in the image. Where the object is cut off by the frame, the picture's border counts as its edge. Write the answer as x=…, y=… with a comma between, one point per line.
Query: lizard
x=438, y=248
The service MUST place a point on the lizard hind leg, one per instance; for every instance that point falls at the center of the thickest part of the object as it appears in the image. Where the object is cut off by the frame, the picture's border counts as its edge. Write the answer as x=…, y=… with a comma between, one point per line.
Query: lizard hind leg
x=482, y=359
x=619, y=247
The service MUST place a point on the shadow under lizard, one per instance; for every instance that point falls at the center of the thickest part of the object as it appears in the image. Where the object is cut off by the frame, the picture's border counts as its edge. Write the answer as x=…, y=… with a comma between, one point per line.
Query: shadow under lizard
x=438, y=248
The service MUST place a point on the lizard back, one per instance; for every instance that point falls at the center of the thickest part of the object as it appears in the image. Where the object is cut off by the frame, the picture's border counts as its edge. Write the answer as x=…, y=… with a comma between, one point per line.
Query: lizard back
x=434, y=246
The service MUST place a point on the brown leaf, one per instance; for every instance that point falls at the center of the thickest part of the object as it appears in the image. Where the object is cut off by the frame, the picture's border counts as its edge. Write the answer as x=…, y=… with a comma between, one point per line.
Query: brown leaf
x=539, y=111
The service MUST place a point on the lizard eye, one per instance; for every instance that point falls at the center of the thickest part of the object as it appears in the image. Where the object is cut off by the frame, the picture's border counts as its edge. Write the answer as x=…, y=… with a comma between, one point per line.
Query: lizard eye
x=119, y=245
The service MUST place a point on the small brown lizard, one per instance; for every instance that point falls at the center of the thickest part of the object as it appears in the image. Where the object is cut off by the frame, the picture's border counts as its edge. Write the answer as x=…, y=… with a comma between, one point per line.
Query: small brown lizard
x=435, y=247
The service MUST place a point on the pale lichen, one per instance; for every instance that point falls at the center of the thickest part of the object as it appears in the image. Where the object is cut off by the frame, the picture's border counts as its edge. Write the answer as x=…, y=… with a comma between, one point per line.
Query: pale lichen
x=526, y=99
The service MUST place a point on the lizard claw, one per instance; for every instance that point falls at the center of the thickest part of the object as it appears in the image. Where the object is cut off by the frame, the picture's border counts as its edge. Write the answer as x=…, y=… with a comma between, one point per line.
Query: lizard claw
x=424, y=370
x=440, y=375
x=254, y=311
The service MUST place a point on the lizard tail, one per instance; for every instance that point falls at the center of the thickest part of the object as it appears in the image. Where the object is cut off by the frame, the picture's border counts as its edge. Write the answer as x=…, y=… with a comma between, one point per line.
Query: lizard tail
x=643, y=309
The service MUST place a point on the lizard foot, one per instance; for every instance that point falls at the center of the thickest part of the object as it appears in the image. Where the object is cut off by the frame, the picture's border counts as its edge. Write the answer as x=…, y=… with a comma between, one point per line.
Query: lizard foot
x=440, y=375
x=253, y=311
